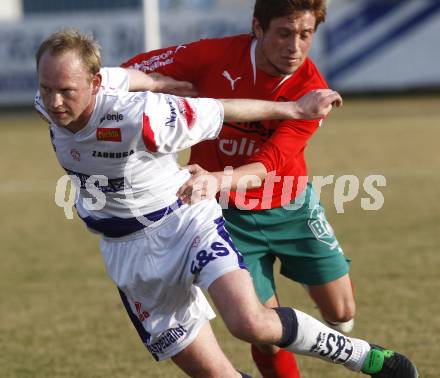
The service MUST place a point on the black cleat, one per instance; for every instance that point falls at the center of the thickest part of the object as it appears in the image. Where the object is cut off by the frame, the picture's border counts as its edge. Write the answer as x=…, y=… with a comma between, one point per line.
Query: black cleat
x=384, y=363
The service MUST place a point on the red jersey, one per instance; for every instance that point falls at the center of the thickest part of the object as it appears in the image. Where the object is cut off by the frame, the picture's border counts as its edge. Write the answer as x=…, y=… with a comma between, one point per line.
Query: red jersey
x=226, y=68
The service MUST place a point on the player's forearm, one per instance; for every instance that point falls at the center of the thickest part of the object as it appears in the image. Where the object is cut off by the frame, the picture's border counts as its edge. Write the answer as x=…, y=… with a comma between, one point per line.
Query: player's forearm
x=246, y=176
x=156, y=82
x=139, y=81
x=314, y=105
x=240, y=110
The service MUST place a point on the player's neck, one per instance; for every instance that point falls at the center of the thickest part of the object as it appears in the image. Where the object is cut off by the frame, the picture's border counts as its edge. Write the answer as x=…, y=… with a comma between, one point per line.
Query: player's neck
x=264, y=64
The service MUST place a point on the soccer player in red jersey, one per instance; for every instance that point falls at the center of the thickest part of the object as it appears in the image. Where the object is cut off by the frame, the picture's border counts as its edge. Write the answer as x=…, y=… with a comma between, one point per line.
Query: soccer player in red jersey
x=266, y=223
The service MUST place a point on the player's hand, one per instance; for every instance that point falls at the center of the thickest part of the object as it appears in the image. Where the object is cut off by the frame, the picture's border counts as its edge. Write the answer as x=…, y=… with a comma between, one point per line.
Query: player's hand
x=166, y=84
x=318, y=103
x=202, y=185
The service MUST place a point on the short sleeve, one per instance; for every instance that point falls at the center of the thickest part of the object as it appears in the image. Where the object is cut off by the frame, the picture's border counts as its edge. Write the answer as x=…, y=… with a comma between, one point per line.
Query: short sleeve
x=172, y=123
x=114, y=79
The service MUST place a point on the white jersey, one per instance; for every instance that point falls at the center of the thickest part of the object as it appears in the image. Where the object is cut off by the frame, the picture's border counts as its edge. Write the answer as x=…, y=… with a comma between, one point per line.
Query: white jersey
x=124, y=159
x=126, y=153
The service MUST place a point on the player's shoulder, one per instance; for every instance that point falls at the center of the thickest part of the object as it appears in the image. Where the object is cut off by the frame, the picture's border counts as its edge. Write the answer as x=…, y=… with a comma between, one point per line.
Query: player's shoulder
x=132, y=105
x=306, y=78
x=311, y=74
x=120, y=107
x=227, y=40
x=206, y=49
x=109, y=98
x=223, y=44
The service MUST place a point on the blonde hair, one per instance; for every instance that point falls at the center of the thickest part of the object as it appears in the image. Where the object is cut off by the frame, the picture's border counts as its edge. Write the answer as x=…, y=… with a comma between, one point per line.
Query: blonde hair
x=62, y=41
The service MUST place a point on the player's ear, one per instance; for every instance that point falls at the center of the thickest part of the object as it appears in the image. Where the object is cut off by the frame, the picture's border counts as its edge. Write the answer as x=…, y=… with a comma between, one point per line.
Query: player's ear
x=96, y=83
x=257, y=29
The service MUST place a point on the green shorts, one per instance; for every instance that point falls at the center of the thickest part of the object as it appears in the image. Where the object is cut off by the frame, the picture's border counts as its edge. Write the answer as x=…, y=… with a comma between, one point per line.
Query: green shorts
x=298, y=234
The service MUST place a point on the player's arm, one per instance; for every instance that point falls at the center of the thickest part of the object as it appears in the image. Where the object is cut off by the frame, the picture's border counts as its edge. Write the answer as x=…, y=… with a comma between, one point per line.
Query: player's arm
x=204, y=184
x=286, y=142
x=156, y=82
x=171, y=123
x=316, y=104
x=184, y=62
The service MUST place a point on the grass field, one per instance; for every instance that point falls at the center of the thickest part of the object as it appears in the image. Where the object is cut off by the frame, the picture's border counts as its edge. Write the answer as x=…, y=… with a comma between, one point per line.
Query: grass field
x=61, y=316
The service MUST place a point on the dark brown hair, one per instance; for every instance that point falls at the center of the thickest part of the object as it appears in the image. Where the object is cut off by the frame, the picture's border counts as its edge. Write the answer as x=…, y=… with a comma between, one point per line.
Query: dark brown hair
x=266, y=10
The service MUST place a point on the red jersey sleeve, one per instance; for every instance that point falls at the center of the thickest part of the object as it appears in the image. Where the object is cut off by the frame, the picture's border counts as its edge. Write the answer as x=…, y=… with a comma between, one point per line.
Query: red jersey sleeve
x=286, y=145
x=184, y=62
x=170, y=61
x=289, y=139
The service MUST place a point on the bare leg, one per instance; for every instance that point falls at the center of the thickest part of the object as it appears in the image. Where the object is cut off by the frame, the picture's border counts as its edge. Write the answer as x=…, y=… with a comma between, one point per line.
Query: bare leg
x=272, y=361
x=203, y=358
x=265, y=348
x=335, y=300
x=246, y=318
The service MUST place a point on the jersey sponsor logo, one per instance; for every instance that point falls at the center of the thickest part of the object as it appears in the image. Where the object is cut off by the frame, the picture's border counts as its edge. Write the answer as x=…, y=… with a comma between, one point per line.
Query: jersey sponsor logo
x=228, y=77
x=232, y=147
x=112, y=117
x=257, y=128
x=142, y=314
x=336, y=347
x=75, y=154
x=171, y=120
x=155, y=62
x=112, y=155
x=195, y=242
x=113, y=185
x=166, y=339
x=109, y=134
x=179, y=47
x=204, y=257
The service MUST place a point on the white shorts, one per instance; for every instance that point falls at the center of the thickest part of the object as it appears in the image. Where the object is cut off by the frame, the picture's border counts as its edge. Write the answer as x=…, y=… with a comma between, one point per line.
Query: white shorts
x=157, y=270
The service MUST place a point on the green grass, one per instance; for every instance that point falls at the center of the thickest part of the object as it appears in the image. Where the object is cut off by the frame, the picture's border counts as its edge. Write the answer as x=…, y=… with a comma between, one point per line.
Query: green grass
x=61, y=316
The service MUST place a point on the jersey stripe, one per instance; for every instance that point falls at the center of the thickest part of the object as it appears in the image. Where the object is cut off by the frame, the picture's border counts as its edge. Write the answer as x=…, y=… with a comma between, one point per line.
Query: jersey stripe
x=189, y=112
x=148, y=134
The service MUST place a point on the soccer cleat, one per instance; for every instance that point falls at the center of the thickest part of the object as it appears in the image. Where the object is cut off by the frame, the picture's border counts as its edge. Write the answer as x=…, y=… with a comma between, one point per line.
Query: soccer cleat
x=384, y=363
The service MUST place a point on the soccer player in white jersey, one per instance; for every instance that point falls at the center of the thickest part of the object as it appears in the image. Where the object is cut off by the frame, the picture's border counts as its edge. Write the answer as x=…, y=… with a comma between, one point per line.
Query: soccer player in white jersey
x=119, y=148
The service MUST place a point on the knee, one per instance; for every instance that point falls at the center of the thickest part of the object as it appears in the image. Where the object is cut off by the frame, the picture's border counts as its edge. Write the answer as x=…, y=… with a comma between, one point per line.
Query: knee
x=246, y=326
x=345, y=312
x=342, y=318
x=339, y=311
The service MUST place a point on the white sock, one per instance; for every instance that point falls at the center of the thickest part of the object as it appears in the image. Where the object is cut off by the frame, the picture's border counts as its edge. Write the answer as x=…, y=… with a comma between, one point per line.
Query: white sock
x=344, y=327
x=316, y=339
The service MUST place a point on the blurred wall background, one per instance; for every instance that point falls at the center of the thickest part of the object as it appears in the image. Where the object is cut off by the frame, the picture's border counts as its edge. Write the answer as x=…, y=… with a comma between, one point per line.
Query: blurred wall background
x=364, y=46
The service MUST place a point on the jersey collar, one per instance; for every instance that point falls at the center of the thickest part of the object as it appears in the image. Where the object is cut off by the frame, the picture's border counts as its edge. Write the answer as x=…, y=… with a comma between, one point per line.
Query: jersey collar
x=254, y=65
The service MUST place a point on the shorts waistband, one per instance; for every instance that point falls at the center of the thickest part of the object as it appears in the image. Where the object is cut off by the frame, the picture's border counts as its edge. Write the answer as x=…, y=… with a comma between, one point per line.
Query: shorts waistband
x=118, y=227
